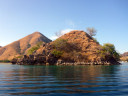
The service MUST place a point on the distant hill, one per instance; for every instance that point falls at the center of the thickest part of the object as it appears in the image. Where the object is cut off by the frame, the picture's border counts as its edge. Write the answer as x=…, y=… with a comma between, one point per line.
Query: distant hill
x=20, y=47
x=124, y=56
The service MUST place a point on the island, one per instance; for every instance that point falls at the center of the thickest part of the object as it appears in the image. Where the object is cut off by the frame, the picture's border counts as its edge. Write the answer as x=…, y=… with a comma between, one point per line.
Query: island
x=74, y=48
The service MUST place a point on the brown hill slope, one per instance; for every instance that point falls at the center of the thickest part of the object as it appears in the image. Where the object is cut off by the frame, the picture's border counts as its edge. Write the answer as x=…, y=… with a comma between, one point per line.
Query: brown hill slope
x=124, y=56
x=88, y=47
x=76, y=47
x=81, y=45
x=19, y=47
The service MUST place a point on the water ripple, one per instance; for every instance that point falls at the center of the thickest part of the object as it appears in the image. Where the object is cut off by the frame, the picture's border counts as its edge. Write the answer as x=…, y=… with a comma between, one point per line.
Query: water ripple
x=18, y=80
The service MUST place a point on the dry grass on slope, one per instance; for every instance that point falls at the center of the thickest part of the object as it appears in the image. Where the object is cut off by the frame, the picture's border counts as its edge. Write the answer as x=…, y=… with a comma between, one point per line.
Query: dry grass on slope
x=20, y=47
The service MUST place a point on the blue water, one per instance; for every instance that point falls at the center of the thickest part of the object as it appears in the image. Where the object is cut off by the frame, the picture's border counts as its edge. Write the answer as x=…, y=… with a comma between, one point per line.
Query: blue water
x=98, y=80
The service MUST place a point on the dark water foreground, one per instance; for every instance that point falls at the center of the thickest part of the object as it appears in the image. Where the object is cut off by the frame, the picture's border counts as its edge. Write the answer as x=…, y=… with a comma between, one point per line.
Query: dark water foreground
x=96, y=80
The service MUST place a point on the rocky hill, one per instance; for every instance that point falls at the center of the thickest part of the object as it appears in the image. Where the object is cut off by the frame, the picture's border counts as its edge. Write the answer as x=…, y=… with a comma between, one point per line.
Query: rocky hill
x=76, y=47
x=20, y=47
x=87, y=46
x=124, y=56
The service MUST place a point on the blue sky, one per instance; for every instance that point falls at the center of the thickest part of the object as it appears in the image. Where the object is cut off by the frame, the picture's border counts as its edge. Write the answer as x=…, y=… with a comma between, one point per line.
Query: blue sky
x=19, y=18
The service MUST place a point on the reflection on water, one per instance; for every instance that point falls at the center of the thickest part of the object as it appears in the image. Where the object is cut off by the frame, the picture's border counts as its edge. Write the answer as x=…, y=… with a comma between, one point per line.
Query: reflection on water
x=63, y=80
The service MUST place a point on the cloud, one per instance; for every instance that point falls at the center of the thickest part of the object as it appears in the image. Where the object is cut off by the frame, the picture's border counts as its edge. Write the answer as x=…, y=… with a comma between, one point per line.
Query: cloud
x=66, y=31
x=53, y=37
x=61, y=32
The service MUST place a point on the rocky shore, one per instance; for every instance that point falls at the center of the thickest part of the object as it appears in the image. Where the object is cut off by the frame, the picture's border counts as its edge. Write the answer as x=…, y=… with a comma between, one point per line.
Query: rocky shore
x=51, y=60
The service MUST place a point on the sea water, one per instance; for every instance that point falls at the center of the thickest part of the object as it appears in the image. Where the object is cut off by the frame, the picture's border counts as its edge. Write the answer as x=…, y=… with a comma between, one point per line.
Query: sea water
x=89, y=80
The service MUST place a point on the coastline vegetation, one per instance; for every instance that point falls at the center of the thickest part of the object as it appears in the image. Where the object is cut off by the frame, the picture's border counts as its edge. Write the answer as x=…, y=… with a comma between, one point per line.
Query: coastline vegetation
x=63, y=49
x=109, y=50
x=4, y=61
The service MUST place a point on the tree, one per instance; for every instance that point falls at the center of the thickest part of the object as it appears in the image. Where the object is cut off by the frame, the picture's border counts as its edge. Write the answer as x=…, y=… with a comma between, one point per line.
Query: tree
x=91, y=31
x=109, y=50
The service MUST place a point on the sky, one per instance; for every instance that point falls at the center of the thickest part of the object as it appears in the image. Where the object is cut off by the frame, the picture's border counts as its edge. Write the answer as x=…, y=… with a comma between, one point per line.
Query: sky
x=19, y=18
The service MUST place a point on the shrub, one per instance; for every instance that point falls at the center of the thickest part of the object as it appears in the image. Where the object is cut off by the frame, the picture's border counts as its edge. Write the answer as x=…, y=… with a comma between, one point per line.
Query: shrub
x=57, y=53
x=19, y=56
x=68, y=51
x=65, y=46
x=60, y=44
x=109, y=50
x=34, y=48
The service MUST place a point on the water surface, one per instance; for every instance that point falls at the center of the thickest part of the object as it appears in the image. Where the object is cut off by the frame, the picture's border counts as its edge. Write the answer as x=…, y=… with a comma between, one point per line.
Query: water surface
x=98, y=80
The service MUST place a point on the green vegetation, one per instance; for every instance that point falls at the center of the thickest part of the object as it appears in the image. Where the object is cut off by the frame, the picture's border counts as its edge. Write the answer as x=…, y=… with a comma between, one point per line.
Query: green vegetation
x=65, y=50
x=60, y=44
x=34, y=48
x=109, y=51
x=30, y=51
x=5, y=61
x=19, y=56
x=57, y=53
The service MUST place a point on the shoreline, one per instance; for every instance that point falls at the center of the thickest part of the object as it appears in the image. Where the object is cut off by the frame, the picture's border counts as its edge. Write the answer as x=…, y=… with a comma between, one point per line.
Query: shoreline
x=70, y=63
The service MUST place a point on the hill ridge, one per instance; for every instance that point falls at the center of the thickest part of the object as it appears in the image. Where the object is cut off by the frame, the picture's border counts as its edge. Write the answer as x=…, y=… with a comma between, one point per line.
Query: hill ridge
x=19, y=47
x=73, y=48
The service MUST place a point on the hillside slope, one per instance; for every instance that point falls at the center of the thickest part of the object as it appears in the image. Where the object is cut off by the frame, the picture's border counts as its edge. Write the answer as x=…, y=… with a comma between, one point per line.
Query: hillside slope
x=80, y=47
x=88, y=47
x=124, y=56
x=20, y=47
x=75, y=47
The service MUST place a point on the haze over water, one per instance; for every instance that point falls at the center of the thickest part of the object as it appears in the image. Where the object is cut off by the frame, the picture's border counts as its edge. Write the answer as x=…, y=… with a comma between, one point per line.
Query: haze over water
x=20, y=80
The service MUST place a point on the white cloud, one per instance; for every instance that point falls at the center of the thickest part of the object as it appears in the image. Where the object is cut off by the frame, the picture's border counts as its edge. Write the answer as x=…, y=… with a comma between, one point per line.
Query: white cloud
x=53, y=37
x=66, y=31
x=61, y=32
